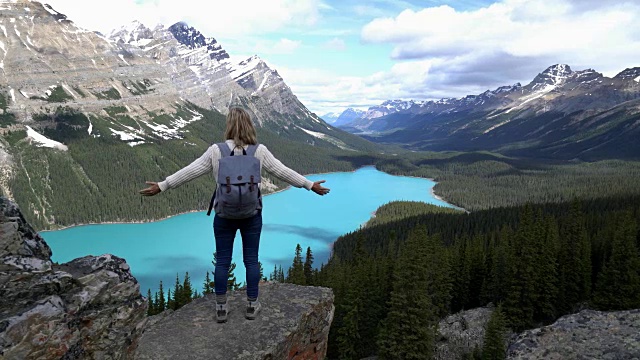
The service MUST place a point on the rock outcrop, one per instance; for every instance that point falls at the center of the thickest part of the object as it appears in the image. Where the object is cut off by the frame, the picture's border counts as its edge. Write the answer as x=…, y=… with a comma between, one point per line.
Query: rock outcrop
x=293, y=324
x=462, y=333
x=588, y=334
x=86, y=308
x=91, y=308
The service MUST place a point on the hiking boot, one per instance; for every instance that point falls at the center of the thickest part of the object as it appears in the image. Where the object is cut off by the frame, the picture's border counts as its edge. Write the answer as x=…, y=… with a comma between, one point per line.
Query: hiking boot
x=221, y=312
x=253, y=308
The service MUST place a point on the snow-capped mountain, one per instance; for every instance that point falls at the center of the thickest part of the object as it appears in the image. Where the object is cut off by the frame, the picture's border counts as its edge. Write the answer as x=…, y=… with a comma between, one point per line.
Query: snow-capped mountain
x=99, y=111
x=349, y=116
x=330, y=117
x=387, y=107
x=358, y=119
x=250, y=83
x=558, y=107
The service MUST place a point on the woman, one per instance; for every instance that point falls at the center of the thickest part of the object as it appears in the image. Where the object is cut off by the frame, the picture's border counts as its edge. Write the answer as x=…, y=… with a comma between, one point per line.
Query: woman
x=239, y=134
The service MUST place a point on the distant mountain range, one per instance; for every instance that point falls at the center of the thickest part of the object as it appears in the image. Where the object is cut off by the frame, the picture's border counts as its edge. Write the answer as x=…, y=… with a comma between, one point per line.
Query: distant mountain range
x=562, y=114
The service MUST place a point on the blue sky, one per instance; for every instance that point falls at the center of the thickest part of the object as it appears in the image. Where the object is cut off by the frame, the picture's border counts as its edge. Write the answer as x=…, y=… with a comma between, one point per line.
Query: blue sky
x=336, y=54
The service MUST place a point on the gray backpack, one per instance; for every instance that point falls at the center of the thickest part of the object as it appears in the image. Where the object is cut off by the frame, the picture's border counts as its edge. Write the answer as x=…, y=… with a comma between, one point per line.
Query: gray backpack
x=237, y=195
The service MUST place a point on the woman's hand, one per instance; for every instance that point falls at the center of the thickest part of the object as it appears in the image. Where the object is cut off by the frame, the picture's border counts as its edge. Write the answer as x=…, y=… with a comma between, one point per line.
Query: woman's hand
x=319, y=189
x=151, y=190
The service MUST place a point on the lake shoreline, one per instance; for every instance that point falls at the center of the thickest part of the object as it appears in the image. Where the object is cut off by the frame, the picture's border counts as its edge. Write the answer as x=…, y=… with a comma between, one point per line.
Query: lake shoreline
x=271, y=193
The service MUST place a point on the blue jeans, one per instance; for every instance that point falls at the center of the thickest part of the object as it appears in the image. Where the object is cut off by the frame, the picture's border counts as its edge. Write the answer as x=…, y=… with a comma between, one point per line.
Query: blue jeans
x=225, y=231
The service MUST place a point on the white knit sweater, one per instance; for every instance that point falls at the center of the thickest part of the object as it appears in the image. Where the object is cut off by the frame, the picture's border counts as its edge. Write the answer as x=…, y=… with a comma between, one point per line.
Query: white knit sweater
x=208, y=163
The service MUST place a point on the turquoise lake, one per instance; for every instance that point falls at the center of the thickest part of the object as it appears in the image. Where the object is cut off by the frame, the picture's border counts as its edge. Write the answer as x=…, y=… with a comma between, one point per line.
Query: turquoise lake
x=158, y=250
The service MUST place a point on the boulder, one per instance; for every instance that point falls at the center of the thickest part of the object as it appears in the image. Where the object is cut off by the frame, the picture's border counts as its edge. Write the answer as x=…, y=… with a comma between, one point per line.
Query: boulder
x=293, y=324
x=461, y=333
x=86, y=308
x=588, y=334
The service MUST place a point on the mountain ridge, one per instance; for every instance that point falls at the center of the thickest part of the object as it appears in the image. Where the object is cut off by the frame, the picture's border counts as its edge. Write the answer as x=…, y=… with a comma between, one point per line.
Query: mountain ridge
x=511, y=119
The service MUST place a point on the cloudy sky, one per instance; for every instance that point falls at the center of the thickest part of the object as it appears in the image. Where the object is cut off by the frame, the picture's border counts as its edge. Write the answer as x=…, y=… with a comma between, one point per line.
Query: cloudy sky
x=336, y=54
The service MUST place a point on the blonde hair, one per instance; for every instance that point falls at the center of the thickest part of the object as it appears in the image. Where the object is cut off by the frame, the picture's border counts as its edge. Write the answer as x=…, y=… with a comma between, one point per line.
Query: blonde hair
x=240, y=128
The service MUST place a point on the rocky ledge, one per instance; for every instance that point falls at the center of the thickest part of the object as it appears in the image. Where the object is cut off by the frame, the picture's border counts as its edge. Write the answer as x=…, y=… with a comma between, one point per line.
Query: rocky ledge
x=588, y=334
x=91, y=308
x=293, y=324
x=86, y=308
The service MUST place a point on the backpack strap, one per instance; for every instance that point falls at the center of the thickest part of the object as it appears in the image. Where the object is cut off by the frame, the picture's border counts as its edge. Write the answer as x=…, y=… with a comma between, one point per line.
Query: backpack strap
x=251, y=150
x=224, y=149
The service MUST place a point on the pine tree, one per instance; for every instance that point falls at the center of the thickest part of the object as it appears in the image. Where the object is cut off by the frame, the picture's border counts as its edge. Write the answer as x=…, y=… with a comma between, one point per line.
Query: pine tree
x=262, y=277
x=575, y=260
x=150, y=306
x=160, y=305
x=232, y=283
x=274, y=275
x=177, y=294
x=296, y=272
x=281, y=278
x=156, y=309
x=409, y=328
x=170, y=301
x=207, y=288
x=187, y=292
x=494, y=341
x=520, y=301
x=547, y=271
x=308, y=267
x=462, y=274
x=618, y=285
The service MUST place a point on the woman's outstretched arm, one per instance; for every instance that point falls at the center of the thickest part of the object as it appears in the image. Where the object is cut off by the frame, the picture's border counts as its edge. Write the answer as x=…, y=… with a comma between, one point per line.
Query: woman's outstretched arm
x=199, y=167
x=279, y=170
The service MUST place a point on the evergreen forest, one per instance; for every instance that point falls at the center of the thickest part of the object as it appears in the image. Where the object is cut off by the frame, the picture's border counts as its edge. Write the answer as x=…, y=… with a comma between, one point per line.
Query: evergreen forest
x=394, y=281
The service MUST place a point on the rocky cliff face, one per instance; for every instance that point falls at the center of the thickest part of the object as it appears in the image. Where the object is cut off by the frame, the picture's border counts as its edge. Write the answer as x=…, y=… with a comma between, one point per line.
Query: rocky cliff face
x=91, y=308
x=46, y=60
x=87, y=308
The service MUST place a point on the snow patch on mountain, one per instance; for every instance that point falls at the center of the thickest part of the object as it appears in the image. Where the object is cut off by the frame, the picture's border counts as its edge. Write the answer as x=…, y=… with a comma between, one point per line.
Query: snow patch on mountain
x=43, y=141
x=125, y=136
x=496, y=126
x=122, y=58
x=264, y=81
x=319, y=135
x=244, y=68
x=536, y=95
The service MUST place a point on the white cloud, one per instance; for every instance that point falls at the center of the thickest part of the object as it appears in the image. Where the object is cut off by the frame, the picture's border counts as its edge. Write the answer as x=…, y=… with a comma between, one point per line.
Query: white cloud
x=217, y=18
x=602, y=35
x=335, y=44
x=323, y=91
x=442, y=52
